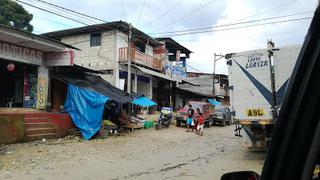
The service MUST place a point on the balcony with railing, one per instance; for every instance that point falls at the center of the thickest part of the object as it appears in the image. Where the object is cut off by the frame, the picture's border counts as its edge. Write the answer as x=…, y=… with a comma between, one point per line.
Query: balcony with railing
x=140, y=58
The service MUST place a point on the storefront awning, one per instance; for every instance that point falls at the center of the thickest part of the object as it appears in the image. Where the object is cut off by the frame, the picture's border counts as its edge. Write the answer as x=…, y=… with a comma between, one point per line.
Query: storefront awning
x=96, y=83
x=154, y=73
x=144, y=101
x=214, y=102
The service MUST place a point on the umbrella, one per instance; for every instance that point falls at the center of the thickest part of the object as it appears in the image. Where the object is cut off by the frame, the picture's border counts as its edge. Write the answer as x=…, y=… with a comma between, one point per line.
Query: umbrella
x=144, y=101
x=214, y=102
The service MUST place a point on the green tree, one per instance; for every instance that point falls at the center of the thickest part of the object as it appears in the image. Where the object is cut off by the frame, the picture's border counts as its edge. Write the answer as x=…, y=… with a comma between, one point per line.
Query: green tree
x=14, y=15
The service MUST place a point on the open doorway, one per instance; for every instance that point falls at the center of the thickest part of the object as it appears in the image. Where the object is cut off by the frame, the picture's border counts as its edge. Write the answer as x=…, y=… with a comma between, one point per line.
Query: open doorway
x=18, y=84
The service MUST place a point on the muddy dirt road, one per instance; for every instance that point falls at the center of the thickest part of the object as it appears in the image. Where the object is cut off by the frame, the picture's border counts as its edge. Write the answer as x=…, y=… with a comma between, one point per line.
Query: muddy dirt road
x=146, y=154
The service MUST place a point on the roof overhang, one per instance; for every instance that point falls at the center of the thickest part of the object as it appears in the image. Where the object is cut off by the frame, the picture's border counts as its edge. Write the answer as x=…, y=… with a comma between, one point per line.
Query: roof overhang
x=153, y=73
x=195, y=93
x=75, y=69
x=22, y=38
x=189, y=82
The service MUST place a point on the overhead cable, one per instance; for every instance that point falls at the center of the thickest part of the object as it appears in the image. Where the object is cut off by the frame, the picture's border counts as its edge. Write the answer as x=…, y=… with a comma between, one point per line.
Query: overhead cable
x=232, y=24
x=80, y=22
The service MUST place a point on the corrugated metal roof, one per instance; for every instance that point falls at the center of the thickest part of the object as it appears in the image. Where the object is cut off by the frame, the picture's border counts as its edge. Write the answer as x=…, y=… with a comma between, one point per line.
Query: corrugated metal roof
x=154, y=73
x=205, y=83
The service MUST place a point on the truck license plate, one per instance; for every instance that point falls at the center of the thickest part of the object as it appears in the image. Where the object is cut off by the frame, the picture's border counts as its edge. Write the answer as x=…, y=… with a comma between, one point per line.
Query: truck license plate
x=255, y=112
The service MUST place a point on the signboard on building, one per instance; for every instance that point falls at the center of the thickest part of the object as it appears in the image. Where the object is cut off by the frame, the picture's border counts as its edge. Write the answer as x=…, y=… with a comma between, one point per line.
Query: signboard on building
x=20, y=54
x=42, y=94
x=63, y=58
x=175, y=70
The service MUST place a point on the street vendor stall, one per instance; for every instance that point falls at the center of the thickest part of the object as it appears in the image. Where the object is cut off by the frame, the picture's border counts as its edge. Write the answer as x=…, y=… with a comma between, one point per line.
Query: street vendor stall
x=144, y=102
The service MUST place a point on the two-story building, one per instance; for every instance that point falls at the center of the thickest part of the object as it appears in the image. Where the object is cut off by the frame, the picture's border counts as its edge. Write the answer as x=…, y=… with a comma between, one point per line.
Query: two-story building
x=157, y=64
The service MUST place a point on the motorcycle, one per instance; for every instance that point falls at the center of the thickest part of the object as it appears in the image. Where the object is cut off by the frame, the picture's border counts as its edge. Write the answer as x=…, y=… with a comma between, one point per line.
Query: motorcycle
x=165, y=118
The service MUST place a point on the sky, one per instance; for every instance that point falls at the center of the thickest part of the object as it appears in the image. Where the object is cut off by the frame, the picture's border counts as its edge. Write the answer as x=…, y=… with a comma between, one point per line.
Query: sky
x=158, y=16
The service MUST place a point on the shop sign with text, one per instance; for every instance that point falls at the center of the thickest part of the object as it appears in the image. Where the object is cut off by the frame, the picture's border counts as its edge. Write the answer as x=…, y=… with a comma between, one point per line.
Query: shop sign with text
x=21, y=54
x=42, y=93
x=63, y=58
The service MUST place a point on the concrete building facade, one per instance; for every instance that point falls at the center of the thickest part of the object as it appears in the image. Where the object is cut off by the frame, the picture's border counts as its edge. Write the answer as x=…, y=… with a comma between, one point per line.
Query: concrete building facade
x=104, y=47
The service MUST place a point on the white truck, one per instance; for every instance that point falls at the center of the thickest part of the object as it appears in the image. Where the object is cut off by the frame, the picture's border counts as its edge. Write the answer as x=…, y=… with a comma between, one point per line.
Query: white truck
x=257, y=81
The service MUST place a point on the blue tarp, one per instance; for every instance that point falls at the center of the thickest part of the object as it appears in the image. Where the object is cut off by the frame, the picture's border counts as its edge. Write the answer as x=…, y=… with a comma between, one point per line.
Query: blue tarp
x=214, y=102
x=143, y=101
x=86, y=109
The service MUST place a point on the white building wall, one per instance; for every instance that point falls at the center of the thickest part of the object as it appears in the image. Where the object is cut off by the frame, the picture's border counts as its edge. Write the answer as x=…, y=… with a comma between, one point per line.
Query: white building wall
x=122, y=42
x=97, y=57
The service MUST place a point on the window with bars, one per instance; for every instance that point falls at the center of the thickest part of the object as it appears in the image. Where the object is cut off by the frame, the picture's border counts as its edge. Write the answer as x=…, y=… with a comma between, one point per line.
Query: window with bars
x=95, y=39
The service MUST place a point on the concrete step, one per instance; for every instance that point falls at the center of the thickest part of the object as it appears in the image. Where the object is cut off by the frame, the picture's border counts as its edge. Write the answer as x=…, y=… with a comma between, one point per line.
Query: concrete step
x=35, y=131
x=34, y=137
x=38, y=125
x=34, y=119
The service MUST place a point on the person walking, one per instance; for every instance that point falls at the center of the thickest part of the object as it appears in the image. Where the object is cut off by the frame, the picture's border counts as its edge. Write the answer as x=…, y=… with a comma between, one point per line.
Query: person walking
x=190, y=117
x=200, y=123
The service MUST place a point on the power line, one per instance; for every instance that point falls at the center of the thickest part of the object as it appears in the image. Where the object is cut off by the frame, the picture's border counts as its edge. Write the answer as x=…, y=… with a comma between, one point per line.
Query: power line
x=249, y=37
x=67, y=12
x=267, y=10
x=56, y=22
x=62, y=12
x=212, y=30
x=164, y=13
x=188, y=14
x=51, y=12
x=70, y=10
x=55, y=13
x=232, y=24
x=143, y=4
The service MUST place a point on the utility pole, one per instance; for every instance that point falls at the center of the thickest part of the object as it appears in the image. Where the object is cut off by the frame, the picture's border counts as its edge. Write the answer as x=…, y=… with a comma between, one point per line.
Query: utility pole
x=129, y=66
x=274, y=105
x=214, y=75
x=216, y=58
x=129, y=58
